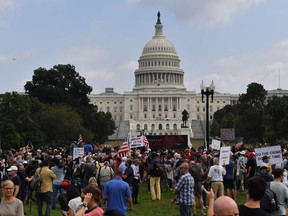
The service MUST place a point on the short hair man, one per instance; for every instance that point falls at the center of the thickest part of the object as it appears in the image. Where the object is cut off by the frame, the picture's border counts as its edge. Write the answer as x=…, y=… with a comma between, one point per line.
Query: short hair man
x=117, y=192
x=223, y=205
x=184, y=191
x=256, y=187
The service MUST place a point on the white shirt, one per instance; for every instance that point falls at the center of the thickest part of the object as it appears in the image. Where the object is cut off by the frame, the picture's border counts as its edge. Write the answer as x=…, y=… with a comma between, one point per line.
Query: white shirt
x=216, y=173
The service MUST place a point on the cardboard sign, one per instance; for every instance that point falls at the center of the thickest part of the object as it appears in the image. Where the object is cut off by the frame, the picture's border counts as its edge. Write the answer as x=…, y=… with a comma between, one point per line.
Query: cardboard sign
x=224, y=155
x=274, y=153
x=136, y=142
x=216, y=144
x=78, y=152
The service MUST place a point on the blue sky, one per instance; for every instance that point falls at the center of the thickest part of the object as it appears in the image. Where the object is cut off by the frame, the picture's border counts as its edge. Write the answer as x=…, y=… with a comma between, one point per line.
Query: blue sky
x=232, y=42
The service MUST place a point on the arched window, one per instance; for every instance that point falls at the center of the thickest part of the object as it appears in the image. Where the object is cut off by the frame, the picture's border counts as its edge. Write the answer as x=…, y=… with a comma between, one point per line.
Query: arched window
x=145, y=126
x=153, y=127
x=167, y=127
x=138, y=127
x=160, y=127
x=175, y=126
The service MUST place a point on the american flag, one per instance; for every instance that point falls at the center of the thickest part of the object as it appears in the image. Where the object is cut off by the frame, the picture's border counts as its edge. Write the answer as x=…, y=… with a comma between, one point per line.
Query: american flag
x=124, y=150
x=146, y=142
x=80, y=140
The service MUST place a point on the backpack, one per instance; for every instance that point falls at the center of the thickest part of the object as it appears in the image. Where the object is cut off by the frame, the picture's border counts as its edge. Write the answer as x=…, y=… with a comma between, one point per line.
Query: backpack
x=195, y=171
x=159, y=170
x=269, y=202
x=35, y=184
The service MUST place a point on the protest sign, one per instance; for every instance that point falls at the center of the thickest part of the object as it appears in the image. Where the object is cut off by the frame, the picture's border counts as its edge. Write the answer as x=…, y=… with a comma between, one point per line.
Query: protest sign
x=224, y=155
x=216, y=144
x=274, y=153
x=136, y=142
x=78, y=152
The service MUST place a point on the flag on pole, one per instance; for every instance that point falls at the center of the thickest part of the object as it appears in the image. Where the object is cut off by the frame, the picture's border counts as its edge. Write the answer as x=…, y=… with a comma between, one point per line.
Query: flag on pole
x=146, y=142
x=80, y=140
x=124, y=150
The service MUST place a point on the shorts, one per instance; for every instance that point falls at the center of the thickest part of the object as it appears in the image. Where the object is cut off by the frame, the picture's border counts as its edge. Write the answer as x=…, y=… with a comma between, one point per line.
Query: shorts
x=228, y=184
x=198, y=189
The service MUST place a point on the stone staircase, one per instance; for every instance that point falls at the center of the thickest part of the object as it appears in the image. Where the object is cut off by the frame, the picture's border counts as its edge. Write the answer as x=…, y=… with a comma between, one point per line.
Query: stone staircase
x=121, y=131
x=198, y=128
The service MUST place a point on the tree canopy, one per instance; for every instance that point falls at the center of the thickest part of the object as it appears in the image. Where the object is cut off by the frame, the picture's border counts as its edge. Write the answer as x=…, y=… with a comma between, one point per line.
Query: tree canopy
x=56, y=111
x=254, y=117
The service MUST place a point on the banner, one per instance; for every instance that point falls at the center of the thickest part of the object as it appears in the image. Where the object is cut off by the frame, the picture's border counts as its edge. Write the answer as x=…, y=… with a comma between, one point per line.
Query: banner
x=227, y=133
x=136, y=142
x=78, y=152
x=274, y=153
x=216, y=144
x=224, y=155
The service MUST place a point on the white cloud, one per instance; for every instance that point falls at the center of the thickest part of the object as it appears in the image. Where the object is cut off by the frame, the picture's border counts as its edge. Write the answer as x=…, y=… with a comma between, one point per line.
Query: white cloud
x=281, y=49
x=227, y=62
x=7, y=5
x=208, y=12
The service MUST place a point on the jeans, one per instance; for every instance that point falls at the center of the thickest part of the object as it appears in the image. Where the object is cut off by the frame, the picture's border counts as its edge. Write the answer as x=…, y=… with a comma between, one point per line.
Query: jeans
x=155, y=181
x=185, y=210
x=56, y=188
x=41, y=198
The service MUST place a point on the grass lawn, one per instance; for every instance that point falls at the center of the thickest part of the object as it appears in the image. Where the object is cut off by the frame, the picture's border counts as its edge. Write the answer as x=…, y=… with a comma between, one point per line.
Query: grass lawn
x=146, y=206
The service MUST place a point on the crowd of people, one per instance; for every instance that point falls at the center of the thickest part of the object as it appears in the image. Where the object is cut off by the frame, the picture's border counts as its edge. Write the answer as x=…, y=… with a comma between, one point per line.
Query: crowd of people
x=102, y=183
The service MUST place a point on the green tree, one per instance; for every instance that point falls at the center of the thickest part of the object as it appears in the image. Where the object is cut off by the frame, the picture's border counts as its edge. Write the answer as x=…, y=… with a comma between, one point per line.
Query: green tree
x=17, y=120
x=61, y=124
x=63, y=85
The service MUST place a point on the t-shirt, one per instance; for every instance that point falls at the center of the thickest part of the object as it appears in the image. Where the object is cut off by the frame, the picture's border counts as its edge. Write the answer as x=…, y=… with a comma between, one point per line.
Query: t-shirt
x=95, y=212
x=216, y=173
x=12, y=208
x=244, y=211
x=74, y=203
x=117, y=192
x=281, y=192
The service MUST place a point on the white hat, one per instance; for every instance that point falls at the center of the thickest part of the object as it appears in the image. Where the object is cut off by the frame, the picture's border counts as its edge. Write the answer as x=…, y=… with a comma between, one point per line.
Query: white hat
x=12, y=168
x=124, y=159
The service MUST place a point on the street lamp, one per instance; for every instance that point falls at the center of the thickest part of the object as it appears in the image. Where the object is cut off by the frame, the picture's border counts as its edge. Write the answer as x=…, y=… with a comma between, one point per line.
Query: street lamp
x=207, y=91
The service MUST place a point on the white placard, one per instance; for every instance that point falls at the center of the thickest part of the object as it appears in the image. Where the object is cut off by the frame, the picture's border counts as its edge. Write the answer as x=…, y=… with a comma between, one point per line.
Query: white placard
x=216, y=144
x=78, y=152
x=136, y=142
x=224, y=155
x=274, y=153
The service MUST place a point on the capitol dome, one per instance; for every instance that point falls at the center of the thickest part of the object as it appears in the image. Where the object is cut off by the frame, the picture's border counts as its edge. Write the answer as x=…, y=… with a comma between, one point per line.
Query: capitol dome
x=159, y=64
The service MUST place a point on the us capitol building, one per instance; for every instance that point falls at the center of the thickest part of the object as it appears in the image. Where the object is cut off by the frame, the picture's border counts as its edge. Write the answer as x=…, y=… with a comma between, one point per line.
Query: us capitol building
x=155, y=104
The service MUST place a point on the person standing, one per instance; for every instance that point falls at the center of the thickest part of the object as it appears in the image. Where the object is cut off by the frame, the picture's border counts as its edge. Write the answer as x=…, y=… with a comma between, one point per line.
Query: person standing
x=215, y=174
x=117, y=192
x=280, y=190
x=24, y=186
x=92, y=196
x=184, y=191
x=256, y=187
x=154, y=177
x=58, y=169
x=12, y=173
x=45, y=191
x=104, y=174
x=10, y=205
x=88, y=170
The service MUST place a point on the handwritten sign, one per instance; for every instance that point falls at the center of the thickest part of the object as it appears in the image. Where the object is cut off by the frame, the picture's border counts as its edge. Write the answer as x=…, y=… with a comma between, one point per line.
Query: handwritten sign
x=274, y=153
x=224, y=155
x=216, y=144
x=78, y=152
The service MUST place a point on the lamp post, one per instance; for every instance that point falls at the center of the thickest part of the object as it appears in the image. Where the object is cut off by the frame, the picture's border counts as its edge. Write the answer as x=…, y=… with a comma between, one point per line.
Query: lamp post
x=207, y=91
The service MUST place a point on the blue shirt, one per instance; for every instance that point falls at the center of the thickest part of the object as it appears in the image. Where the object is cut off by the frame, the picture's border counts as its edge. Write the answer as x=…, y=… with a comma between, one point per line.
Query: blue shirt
x=185, y=187
x=117, y=192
